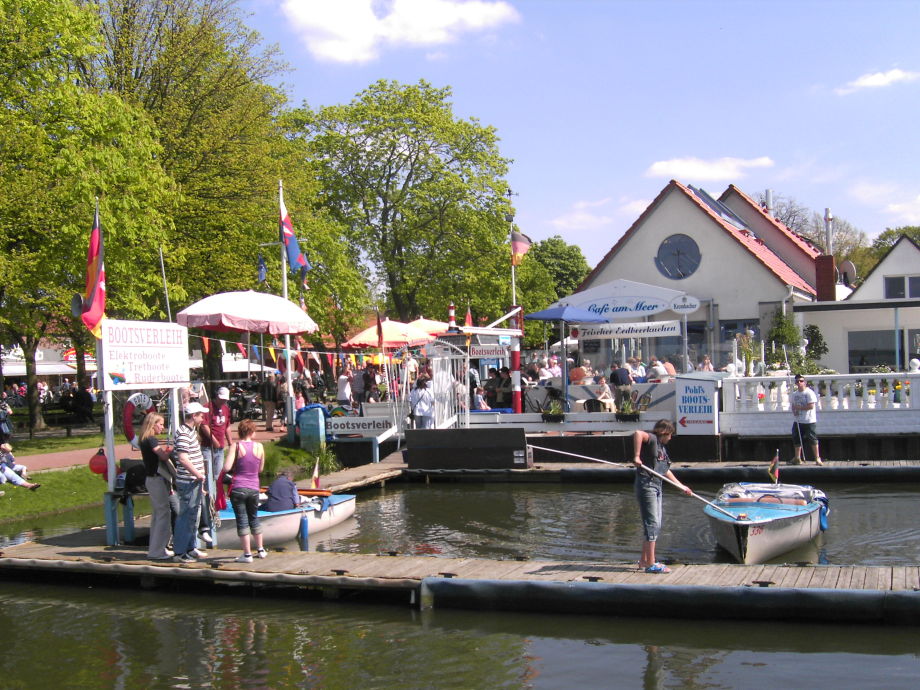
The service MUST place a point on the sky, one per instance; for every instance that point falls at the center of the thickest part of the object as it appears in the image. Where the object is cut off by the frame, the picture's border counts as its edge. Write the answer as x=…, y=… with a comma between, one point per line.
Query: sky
x=599, y=103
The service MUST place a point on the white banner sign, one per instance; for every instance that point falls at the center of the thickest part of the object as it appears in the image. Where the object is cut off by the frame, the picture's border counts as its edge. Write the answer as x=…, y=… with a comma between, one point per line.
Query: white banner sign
x=143, y=354
x=642, y=329
x=625, y=307
x=697, y=407
x=488, y=351
x=365, y=426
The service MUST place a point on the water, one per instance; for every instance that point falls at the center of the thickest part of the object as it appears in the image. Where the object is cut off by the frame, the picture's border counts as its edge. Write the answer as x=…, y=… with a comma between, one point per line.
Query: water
x=66, y=636
x=869, y=524
x=71, y=636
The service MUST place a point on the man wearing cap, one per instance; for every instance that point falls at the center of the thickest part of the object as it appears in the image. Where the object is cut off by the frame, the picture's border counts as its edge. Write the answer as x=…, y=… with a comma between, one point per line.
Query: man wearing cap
x=190, y=478
x=804, y=403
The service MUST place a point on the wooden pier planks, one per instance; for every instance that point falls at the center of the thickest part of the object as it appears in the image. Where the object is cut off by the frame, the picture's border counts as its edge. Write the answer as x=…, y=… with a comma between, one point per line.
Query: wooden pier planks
x=368, y=570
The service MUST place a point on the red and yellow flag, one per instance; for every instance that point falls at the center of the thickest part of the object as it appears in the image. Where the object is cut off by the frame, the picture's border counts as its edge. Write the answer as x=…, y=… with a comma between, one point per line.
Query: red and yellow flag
x=93, y=310
x=314, y=481
x=773, y=470
x=520, y=245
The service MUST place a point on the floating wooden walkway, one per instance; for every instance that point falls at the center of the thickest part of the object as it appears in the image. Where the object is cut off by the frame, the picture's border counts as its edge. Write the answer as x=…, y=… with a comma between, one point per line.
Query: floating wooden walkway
x=872, y=594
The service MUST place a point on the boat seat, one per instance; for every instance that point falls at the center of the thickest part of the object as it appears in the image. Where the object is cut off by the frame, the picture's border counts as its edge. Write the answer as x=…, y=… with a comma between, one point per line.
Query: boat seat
x=768, y=498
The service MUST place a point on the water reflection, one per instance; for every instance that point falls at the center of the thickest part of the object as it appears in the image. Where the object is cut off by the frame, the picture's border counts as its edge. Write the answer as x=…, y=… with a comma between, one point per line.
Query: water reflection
x=600, y=523
x=93, y=638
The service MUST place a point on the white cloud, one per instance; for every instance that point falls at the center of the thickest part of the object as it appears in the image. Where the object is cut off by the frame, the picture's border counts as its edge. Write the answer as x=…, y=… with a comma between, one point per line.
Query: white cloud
x=700, y=170
x=634, y=208
x=873, y=193
x=906, y=212
x=877, y=80
x=582, y=217
x=356, y=30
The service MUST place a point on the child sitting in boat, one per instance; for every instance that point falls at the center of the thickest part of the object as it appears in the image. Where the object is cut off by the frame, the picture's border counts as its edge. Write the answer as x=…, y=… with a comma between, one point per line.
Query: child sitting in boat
x=11, y=471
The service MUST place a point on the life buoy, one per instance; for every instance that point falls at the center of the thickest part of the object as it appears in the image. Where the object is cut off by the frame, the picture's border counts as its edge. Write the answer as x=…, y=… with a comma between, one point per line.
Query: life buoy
x=137, y=401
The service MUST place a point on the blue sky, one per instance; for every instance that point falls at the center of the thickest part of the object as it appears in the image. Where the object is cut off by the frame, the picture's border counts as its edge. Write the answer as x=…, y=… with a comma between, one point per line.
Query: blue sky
x=601, y=102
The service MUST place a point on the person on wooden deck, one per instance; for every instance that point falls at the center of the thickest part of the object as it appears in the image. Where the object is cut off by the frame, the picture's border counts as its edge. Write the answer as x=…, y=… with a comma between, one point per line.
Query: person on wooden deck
x=245, y=461
x=804, y=403
x=649, y=451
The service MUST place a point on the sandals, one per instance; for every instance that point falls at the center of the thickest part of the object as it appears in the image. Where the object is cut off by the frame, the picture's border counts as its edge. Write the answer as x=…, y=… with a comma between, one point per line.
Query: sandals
x=658, y=569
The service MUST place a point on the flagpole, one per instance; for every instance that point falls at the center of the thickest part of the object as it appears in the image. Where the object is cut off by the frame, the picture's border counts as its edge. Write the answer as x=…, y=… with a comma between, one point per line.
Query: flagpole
x=289, y=399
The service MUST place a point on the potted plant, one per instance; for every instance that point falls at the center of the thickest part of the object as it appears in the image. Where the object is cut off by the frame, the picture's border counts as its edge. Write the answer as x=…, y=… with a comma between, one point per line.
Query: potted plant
x=553, y=412
x=627, y=412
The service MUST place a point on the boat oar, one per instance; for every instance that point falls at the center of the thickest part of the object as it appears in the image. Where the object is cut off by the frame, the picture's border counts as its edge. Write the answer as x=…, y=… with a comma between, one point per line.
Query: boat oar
x=647, y=469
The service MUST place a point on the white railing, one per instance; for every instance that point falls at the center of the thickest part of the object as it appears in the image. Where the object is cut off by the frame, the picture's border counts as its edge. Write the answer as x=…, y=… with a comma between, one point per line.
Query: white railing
x=836, y=392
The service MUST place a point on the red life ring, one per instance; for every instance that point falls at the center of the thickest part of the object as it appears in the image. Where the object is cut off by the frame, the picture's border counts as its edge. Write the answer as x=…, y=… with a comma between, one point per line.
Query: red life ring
x=137, y=401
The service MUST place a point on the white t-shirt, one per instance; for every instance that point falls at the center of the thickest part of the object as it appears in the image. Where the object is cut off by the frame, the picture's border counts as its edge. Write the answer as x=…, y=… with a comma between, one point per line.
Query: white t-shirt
x=804, y=397
x=343, y=391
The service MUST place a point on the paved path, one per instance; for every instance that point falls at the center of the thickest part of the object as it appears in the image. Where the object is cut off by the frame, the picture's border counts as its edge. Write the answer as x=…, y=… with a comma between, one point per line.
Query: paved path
x=71, y=458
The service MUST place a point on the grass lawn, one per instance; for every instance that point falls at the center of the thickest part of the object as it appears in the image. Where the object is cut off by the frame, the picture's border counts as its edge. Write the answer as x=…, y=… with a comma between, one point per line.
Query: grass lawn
x=60, y=490
x=23, y=447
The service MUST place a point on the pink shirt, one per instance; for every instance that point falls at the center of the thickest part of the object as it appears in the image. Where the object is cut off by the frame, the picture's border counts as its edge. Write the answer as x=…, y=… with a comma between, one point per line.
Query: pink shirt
x=245, y=469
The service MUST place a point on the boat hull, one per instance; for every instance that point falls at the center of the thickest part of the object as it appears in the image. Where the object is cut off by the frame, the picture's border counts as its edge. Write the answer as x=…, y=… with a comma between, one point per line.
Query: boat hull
x=759, y=531
x=283, y=527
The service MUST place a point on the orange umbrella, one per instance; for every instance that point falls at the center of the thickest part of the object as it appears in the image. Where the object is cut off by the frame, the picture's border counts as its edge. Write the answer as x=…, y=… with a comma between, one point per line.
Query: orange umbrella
x=430, y=326
x=395, y=334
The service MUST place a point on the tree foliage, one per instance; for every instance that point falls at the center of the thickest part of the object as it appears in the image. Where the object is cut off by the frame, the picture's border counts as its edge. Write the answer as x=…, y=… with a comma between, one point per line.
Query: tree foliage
x=61, y=146
x=420, y=191
x=564, y=262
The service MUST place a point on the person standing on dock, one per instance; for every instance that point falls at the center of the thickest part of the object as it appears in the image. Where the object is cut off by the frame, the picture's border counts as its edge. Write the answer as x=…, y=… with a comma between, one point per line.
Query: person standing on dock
x=160, y=476
x=649, y=452
x=190, y=478
x=804, y=405
x=245, y=461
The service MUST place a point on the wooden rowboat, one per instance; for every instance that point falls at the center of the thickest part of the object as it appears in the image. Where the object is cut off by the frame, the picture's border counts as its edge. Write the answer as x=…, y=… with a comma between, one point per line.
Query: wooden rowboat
x=767, y=520
x=283, y=526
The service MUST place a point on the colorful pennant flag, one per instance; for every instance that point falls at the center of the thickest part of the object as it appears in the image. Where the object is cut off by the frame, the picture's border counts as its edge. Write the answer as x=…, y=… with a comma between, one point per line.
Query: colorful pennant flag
x=296, y=259
x=93, y=308
x=271, y=353
x=379, y=331
x=241, y=348
x=773, y=470
x=469, y=317
x=205, y=344
x=520, y=245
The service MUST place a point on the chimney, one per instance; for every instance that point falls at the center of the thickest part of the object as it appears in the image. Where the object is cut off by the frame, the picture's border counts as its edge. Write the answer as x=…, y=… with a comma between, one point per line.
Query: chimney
x=769, y=196
x=828, y=232
x=826, y=278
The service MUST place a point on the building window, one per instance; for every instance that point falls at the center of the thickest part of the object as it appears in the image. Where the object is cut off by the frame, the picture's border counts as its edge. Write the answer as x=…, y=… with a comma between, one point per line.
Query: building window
x=869, y=349
x=894, y=287
x=913, y=285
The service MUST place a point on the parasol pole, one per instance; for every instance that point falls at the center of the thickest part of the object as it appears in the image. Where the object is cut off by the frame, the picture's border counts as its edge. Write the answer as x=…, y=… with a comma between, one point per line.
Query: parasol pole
x=289, y=399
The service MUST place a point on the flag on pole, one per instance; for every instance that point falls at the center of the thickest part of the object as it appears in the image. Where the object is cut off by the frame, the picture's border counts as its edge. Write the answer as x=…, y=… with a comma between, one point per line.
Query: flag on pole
x=468, y=321
x=296, y=260
x=520, y=245
x=773, y=470
x=314, y=482
x=379, y=331
x=93, y=305
x=263, y=269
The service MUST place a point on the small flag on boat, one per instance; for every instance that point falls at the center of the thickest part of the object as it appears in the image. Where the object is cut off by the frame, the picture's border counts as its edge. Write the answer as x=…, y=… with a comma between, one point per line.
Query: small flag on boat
x=773, y=469
x=314, y=482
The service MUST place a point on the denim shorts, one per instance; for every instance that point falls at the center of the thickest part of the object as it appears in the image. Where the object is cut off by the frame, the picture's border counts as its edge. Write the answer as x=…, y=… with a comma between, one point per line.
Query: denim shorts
x=245, y=502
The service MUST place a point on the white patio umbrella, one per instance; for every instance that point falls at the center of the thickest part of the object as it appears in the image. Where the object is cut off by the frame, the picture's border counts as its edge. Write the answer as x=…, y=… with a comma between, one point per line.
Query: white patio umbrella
x=256, y=312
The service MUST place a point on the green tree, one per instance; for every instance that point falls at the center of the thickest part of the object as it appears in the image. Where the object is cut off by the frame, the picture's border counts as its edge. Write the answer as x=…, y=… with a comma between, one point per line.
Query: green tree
x=420, y=191
x=564, y=262
x=61, y=145
x=783, y=331
x=816, y=347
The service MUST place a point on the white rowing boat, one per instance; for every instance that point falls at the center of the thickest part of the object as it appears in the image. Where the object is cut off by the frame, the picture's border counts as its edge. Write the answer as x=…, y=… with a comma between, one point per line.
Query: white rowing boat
x=283, y=526
x=766, y=520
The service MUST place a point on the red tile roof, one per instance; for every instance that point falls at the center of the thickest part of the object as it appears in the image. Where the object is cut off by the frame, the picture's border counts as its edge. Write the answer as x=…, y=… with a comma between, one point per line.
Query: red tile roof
x=754, y=245
x=800, y=241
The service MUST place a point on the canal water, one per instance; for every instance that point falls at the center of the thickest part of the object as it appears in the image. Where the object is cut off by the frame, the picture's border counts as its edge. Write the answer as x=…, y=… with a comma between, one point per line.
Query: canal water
x=81, y=636
x=78, y=637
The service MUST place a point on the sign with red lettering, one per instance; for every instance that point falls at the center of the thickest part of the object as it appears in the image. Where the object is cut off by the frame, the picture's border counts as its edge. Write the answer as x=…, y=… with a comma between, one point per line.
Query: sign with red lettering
x=143, y=354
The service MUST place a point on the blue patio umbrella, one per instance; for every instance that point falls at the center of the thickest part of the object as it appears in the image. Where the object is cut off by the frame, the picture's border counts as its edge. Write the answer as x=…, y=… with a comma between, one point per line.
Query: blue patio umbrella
x=565, y=313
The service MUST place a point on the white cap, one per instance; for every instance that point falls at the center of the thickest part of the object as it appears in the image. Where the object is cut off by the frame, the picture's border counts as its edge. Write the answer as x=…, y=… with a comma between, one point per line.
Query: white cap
x=194, y=407
x=223, y=393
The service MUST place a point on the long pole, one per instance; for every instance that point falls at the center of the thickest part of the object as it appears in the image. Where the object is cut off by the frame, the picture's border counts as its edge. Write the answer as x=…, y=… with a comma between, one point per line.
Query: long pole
x=647, y=469
x=289, y=398
x=165, y=286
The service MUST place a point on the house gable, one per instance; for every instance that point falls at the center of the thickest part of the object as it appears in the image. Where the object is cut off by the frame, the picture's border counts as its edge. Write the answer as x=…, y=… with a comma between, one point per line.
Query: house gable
x=903, y=259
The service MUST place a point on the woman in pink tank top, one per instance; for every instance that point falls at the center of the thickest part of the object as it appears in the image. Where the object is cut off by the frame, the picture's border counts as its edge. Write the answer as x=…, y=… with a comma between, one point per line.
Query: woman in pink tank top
x=245, y=461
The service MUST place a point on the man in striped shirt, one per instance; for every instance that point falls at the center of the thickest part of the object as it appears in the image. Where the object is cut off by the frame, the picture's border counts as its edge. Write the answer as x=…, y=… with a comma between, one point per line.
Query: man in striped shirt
x=190, y=477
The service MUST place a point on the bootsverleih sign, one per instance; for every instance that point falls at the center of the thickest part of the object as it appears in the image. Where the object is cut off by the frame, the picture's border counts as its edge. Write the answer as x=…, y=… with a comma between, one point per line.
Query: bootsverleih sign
x=143, y=354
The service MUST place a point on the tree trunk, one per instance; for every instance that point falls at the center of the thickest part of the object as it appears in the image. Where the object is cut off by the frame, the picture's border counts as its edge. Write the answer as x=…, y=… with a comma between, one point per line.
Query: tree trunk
x=36, y=419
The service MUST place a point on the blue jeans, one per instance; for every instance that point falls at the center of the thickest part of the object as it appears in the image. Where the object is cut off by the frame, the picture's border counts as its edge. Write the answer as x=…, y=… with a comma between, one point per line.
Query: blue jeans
x=186, y=533
x=648, y=493
x=245, y=504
